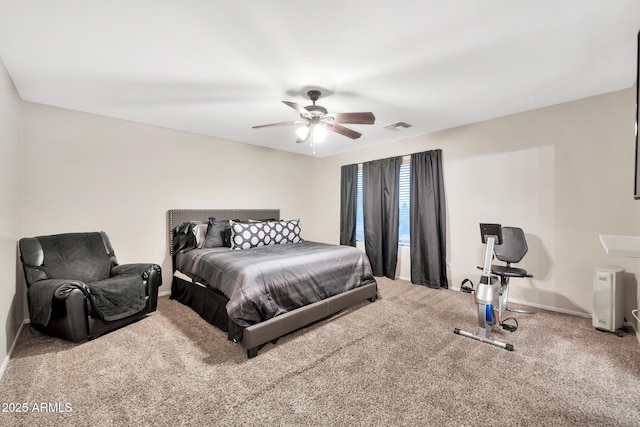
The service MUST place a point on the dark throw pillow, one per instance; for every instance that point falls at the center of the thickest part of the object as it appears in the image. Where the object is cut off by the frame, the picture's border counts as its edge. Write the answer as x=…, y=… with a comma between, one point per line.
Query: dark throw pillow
x=218, y=234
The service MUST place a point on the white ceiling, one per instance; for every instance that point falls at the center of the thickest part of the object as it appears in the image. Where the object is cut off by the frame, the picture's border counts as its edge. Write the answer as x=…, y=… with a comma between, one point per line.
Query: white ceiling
x=217, y=68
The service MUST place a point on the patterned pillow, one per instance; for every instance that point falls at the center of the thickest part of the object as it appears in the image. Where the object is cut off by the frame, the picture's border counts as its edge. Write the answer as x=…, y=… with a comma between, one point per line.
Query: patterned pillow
x=245, y=235
x=256, y=234
x=286, y=231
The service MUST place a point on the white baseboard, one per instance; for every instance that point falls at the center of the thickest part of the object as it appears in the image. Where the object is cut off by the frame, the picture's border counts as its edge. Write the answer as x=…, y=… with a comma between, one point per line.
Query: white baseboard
x=544, y=307
x=5, y=362
x=550, y=308
x=164, y=294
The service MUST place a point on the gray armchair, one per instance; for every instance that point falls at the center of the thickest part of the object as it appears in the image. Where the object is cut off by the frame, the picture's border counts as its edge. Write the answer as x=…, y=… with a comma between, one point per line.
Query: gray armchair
x=78, y=291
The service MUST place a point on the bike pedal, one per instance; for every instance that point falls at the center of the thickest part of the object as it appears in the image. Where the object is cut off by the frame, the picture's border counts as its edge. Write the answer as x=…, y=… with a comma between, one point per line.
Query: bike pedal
x=510, y=328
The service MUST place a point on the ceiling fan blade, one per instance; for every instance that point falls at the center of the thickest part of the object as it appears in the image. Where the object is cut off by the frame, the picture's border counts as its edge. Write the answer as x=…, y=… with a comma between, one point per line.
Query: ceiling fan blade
x=299, y=108
x=342, y=130
x=291, y=122
x=354, y=118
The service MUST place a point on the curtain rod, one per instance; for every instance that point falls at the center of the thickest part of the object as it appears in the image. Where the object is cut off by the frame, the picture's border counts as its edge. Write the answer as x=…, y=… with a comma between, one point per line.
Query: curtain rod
x=405, y=157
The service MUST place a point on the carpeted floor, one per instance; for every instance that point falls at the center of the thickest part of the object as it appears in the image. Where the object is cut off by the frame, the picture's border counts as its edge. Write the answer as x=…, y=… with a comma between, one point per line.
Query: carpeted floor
x=392, y=362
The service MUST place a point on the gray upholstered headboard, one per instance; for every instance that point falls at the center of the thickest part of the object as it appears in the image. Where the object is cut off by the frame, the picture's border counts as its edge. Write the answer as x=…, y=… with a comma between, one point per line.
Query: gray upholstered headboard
x=178, y=216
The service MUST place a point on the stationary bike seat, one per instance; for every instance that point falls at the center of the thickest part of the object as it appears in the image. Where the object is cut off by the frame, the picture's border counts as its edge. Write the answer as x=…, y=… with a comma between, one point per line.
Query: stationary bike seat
x=503, y=270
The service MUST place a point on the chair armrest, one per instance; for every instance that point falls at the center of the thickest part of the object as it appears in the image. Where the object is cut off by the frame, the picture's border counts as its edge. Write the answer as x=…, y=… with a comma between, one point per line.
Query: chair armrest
x=151, y=274
x=42, y=293
x=141, y=269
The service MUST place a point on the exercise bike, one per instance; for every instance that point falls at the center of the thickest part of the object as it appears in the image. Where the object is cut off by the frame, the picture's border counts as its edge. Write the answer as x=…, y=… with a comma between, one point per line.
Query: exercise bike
x=491, y=294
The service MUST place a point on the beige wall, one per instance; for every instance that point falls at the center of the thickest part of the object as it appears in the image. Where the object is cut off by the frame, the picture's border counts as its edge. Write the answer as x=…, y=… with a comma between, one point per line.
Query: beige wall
x=632, y=281
x=563, y=173
x=83, y=172
x=11, y=304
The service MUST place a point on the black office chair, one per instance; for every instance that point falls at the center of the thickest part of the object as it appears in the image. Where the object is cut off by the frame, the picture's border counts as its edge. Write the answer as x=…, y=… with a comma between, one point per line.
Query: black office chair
x=512, y=250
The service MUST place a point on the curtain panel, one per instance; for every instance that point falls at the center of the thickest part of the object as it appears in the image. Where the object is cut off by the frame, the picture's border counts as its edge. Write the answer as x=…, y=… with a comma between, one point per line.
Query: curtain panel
x=428, y=220
x=348, y=204
x=381, y=214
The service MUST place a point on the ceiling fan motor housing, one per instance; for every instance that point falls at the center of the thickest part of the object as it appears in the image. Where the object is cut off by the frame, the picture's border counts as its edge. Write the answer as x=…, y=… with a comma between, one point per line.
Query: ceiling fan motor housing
x=314, y=95
x=315, y=110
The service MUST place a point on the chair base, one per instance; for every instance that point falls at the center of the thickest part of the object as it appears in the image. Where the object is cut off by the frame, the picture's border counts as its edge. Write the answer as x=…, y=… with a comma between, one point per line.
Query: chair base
x=521, y=311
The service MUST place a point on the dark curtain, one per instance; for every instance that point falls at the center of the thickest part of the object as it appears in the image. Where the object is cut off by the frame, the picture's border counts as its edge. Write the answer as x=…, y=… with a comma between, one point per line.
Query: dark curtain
x=428, y=220
x=348, y=194
x=381, y=214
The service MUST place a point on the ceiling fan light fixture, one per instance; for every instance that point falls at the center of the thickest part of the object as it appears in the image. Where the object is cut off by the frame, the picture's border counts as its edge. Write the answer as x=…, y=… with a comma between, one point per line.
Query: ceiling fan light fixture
x=319, y=133
x=317, y=121
x=302, y=132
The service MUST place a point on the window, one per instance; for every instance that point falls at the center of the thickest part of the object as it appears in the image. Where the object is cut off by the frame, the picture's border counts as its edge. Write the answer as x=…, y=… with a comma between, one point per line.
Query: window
x=404, y=205
x=404, y=196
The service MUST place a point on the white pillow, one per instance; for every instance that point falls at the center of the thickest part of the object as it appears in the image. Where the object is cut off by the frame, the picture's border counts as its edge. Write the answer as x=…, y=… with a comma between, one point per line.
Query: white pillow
x=200, y=231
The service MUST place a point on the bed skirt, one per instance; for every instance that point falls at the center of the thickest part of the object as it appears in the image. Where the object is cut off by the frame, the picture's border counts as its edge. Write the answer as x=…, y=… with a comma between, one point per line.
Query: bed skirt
x=208, y=303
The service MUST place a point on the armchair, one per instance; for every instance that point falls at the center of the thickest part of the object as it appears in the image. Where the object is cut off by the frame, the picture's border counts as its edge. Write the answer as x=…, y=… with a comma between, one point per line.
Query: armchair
x=76, y=289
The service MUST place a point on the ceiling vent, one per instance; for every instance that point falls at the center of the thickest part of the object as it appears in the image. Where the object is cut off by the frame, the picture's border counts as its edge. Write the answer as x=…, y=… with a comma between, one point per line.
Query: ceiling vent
x=397, y=126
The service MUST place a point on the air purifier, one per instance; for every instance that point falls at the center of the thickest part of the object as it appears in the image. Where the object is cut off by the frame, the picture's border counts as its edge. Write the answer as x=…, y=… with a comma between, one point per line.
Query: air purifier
x=608, y=298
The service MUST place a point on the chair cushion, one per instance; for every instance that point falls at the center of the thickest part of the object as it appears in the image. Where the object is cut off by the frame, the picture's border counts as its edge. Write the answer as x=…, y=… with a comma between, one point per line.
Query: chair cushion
x=75, y=256
x=502, y=270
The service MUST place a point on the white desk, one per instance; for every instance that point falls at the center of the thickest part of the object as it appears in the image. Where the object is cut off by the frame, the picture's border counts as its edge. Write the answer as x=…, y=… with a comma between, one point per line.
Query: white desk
x=626, y=246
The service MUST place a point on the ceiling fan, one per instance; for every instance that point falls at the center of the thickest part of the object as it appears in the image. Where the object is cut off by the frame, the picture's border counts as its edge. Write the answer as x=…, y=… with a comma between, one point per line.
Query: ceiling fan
x=316, y=120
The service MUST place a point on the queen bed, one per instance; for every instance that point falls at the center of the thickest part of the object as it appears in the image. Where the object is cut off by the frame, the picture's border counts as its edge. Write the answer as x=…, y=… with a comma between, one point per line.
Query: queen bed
x=251, y=274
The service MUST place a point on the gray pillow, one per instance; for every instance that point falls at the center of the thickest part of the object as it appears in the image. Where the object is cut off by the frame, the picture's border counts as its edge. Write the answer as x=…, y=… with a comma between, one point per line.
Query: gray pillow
x=216, y=233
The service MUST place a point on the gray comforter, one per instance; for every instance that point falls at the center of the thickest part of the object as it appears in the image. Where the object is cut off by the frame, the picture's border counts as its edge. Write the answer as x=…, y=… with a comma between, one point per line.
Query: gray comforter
x=264, y=282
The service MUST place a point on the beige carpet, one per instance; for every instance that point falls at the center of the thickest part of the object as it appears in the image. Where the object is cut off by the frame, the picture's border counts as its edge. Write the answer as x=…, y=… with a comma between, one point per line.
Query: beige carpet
x=392, y=362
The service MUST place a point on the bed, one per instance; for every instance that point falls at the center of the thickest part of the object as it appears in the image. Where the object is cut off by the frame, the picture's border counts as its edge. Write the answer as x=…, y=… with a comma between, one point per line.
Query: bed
x=259, y=290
